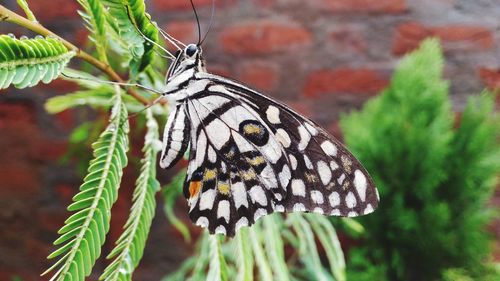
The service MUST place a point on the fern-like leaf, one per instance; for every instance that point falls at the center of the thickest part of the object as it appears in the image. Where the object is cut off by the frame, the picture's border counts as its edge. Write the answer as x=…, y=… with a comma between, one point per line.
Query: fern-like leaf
x=130, y=246
x=84, y=233
x=26, y=62
x=218, y=268
x=95, y=19
x=131, y=20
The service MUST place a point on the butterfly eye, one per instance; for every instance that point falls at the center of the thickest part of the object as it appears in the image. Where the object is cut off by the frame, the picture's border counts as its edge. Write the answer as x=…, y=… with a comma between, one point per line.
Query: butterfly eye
x=191, y=49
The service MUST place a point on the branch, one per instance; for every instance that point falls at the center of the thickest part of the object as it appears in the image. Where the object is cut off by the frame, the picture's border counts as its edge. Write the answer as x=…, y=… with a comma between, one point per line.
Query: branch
x=9, y=16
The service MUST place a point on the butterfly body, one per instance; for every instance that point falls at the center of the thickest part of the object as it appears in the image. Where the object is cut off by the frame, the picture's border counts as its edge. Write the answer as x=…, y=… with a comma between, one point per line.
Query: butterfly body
x=251, y=156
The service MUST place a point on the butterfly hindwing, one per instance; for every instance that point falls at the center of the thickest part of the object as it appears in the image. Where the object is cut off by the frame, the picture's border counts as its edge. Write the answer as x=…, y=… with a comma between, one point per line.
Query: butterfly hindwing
x=252, y=156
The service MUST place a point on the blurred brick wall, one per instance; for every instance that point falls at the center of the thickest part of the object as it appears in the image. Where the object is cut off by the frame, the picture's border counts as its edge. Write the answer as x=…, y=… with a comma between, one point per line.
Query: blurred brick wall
x=323, y=57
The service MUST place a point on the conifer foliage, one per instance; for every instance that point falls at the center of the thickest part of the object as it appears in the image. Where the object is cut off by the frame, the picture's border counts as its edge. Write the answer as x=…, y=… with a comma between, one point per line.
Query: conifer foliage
x=434, y=178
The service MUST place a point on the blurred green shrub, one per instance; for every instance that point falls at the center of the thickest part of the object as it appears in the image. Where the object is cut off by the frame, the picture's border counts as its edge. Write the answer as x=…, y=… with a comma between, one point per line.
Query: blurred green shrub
x=435, y=178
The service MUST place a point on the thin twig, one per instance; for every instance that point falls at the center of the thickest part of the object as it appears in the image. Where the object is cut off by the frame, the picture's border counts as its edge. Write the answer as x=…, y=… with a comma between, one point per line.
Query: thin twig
x=9, y=16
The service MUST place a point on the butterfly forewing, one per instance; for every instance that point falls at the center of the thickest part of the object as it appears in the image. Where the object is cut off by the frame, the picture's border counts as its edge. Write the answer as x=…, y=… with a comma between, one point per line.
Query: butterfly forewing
x=251, y=156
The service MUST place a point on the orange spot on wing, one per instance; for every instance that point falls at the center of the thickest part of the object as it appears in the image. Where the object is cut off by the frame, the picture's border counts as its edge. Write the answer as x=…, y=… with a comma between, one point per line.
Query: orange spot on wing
x=194, y=188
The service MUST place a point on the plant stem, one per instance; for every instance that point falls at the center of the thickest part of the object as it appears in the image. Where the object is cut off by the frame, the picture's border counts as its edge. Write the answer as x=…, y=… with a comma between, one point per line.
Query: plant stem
x=9, y=16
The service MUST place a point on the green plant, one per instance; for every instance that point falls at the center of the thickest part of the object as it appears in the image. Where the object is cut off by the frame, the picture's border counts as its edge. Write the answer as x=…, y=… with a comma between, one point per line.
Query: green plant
x=434, y=178
x=124, y=39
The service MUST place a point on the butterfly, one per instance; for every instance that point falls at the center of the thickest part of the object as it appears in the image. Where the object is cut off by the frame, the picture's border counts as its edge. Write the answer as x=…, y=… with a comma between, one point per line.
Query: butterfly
x=251, y=155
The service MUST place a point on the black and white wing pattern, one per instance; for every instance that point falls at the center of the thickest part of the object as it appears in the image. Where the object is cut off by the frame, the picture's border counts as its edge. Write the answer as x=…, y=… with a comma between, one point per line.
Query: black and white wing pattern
x=251, y=156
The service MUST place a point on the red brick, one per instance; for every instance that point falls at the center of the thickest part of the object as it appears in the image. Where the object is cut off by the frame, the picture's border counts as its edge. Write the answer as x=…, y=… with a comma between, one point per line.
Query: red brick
x=363, y=6
x=262, y=37
x=490, y=77
x=263, y=76
x=462, y=37
x=344, y=81
x=350, y=39
x=55, y=9
x=170, y=5
x=184, y=31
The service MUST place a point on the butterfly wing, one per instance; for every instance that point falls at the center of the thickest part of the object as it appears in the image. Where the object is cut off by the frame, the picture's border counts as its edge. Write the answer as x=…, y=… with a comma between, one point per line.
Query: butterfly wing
x=252, y=156
x=175, y=137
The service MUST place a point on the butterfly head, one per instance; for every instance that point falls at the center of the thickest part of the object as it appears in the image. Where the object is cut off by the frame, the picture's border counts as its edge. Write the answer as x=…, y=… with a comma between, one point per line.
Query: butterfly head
x=189, y=59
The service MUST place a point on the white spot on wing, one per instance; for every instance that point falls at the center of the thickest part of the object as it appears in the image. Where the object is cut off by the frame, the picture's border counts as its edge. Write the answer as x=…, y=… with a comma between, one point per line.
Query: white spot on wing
x=341, y=179
x=311, y=129
x=318, y=210
x=207, y=199
x=350, y=200
x=241, y=222
x=317, y=197
x=334, y=199
x=239, y=194
x=259, y=213
x=308, y=162
x=335, y=212
x=220, y=230
x=329, y=148
x=279, y=208
x=283, y=137
x=223, y=210
x=273, y=114
x=285, y=176
x=325, y=174
x=293, y=161
x=333, y=165
x=368, y=209
x=258, y=195
x=360, y=184
x=305, y=137
x=352, y=214
x=298, y=188
x=299, y=207
x=202, y=221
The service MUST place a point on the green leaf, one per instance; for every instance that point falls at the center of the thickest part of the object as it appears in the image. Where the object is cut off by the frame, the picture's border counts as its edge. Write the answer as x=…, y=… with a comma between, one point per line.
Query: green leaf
x=95, y=19
x=244, y=256
x=218, y=268
x=170, y=194
x=26, y=9
x=26, y=62
x=275, y=247
x=263, y=264
x=130, y=246
x=131, y=20
x=86, y=231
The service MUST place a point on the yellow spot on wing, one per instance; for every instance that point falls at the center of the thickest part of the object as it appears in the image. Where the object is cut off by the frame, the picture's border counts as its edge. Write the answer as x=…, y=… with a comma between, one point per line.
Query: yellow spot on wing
x=252, y=129
x=311, y=177
x=249, y=175
x=256, y=160
x=209, y=174
x=223, y=188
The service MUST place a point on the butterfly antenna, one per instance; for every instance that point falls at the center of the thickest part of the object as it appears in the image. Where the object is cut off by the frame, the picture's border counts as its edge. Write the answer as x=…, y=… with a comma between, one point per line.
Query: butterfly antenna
x=145, y=108
x=167, y=36
x=113, y=83
x=144, y=36
x=210, y=24
x=197, y=22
